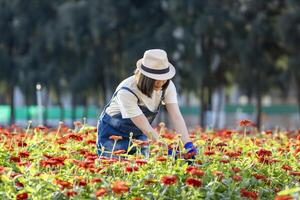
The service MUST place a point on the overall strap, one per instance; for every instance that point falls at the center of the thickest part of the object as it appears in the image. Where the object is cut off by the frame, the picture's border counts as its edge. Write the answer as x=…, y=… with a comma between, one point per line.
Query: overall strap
x=129, y=90
x=115, y=94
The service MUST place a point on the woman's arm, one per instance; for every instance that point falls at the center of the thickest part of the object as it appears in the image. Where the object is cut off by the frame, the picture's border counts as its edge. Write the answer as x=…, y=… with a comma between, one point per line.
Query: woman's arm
x=178, y=121
x=143, y=124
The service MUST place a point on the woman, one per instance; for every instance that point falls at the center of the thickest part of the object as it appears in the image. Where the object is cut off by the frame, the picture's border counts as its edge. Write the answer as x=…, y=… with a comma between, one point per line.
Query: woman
x=137, y=101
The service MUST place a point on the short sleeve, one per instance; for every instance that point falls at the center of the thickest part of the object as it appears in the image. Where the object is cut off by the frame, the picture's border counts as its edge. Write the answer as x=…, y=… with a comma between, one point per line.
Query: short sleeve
x=171, y=94
x=128, y=104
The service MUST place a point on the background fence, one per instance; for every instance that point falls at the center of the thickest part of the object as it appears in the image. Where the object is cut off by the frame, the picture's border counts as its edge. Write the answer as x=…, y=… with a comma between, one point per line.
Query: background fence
x=280, y=115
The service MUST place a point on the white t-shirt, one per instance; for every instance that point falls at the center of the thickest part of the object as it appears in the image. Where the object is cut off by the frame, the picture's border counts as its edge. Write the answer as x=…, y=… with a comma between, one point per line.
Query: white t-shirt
x=127, y=103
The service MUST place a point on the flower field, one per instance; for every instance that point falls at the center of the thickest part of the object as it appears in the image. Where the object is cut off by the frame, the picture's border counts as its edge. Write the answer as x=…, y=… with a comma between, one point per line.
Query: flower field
x=62, y=163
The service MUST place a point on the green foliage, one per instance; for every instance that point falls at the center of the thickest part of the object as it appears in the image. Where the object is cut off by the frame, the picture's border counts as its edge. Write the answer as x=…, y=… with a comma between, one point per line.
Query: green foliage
x=87, y=47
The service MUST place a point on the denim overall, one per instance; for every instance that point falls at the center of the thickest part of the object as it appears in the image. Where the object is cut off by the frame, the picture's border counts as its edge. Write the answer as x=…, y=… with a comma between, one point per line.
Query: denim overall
x=116, y=125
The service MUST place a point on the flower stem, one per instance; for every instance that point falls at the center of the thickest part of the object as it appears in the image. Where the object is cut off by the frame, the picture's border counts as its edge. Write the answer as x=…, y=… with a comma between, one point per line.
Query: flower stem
x=112, y=152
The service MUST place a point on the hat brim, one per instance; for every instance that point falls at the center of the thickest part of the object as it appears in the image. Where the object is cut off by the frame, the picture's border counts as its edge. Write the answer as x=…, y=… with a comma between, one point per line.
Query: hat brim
x=162, y=77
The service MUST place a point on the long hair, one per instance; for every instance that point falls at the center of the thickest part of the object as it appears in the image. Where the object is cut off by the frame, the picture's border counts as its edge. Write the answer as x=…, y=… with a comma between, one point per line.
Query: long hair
x=146, y=84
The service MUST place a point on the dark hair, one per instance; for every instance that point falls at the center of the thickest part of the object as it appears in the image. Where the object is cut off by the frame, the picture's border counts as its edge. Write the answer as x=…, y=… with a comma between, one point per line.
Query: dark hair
x=146, y=84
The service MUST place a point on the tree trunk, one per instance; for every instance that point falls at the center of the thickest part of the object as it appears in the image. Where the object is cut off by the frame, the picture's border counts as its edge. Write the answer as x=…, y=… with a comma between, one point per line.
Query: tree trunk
x=258, y=105
x=73, y=108
x=218, y=110
x=11, y=102
x=85, y=111
x=28, y=117
x=298, y=99
x=45, y=111
x=61, y=107
x=202, y=106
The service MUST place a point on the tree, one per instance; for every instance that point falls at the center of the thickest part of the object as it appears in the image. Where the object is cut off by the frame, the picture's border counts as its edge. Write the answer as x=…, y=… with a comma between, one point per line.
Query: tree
x=290, y=36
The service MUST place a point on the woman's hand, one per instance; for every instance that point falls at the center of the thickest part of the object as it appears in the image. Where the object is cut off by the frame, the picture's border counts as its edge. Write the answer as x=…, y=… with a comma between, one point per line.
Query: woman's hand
x=143, y=124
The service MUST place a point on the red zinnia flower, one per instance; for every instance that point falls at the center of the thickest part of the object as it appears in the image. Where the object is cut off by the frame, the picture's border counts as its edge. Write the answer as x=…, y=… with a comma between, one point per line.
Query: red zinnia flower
x=209, y=153
x=101, y=192
x=22, y=196
x=96, y=180
x=131, y=168
x=249, y=194
x=189, y=155
x=23, y=154
x=233, y=154
x=74, y=137
x=71, y=193
x=294, y=173
x=92, y=142
x=259, y=176
x=287, y=167
x=197, y=172
x=120, y=187
x=15, y=159
x=169, y=179
x=141, y=161
x=263, y=152
x=236, y=169
x=19, y=184
x=236, y=178
x=82, y=183
x=193, y=182
x=221, y=144
x=224, y=160
x=219, y=174
x=245, y=122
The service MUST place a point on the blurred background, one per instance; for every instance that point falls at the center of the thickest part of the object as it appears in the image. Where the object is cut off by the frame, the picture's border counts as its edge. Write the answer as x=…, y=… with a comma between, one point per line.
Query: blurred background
x=61, y=60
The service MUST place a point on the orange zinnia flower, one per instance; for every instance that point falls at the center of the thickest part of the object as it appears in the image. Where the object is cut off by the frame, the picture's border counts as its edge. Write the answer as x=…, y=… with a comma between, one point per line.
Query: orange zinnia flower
x=116, y=137
x=284, y=197
x=101, y=192
x=169, y=136
x=2, y=169
x=63, y=184
x=118, y=152
x=161, y=158
x=120, y=187
x=236, y=178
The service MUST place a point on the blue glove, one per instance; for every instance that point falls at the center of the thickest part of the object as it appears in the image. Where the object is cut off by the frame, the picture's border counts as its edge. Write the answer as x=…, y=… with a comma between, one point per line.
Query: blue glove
x=170, y=151
x=192, y=151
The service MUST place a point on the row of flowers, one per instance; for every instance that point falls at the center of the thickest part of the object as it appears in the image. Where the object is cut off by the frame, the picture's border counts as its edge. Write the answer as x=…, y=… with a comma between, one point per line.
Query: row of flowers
x=47, y=163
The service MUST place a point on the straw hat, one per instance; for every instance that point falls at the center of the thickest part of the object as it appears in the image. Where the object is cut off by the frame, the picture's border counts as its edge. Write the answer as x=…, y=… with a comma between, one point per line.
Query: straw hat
x=155, y=65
